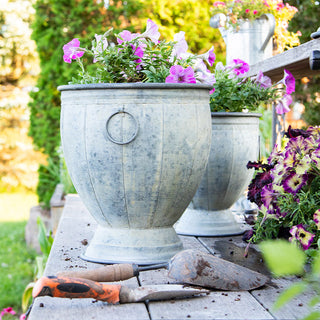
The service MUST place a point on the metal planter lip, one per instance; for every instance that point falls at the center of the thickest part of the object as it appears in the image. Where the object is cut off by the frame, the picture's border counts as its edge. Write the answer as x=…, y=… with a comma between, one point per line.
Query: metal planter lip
x=134, y=85
x=236, y=114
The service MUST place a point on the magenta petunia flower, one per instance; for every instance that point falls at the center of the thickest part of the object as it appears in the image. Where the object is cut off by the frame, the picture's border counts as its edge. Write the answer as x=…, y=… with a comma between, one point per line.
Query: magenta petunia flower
x=180, y=75
x=294, y=182
x=283, y=104
x=316, y=218
x=240, y=67
x=267, y=195
x=7, y=311
x=300, y=234
x=137, y=51
x=71, y=50
x=289, y=81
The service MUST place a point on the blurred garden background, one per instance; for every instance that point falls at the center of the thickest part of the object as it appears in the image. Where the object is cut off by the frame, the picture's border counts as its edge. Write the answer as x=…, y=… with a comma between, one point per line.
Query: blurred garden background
x=32, y=33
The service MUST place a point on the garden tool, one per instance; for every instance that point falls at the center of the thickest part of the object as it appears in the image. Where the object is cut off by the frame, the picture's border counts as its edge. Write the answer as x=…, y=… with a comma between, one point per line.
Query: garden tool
x=64, y=287
x=187, y=267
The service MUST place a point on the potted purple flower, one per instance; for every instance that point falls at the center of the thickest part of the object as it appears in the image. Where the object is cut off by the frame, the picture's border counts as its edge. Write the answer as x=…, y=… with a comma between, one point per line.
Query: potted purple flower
x=287, y=191
x=235, y=140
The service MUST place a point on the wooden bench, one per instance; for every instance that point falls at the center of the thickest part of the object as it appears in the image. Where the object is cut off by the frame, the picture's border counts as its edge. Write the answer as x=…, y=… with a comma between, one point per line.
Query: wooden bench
x=75, y=230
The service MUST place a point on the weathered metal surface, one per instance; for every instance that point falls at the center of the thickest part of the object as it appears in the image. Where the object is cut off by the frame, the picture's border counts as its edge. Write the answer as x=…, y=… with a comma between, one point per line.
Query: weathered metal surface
x=251, y=41
x=136, y=154
x=206, y=270
x=235, y=141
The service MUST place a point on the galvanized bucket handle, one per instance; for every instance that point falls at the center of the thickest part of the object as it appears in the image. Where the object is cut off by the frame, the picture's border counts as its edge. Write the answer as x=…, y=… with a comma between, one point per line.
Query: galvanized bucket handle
x=272, y=25
x=134, y=134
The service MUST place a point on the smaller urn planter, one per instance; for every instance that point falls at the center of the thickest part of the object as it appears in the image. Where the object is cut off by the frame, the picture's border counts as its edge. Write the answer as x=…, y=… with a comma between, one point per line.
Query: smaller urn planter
x=235, y=141
x=136, y=154
x=251, y=41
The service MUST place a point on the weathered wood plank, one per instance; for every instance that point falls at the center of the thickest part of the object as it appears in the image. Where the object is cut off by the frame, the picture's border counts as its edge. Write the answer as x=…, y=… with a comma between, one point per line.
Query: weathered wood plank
x=77, y=309
x=217, y=305
x=297, y=309
x=296, y=60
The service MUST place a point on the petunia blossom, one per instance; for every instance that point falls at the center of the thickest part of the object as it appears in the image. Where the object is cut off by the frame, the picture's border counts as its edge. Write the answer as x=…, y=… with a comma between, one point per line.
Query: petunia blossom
x=202, y=74
x=240, y=67
x=316, y=218
x=288, y=81
x=181, y=46
x=209, y=56
x=71, y=50
x=101, y=46
x=126, y=35
x=152, y=31
x=294, y=182
x=7, y=311
x=299, y=233
x=283, y=104
x=262, y=80
x=180, y=75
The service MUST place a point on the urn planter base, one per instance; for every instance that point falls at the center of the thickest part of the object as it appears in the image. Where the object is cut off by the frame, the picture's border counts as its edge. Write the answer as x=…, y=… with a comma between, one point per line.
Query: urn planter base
x=208, y=223
x=140, y=246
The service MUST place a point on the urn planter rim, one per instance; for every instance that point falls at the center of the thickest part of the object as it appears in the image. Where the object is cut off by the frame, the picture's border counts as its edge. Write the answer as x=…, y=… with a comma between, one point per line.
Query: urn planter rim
x=236, y=114
x=134, y=85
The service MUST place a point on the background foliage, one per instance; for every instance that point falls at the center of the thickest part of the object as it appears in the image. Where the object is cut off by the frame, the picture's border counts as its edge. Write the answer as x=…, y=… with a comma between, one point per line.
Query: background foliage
x=18, y=71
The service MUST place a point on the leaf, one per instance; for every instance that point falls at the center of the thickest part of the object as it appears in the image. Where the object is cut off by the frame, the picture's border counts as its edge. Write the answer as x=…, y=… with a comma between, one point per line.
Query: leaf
x=44, y=241
x=315, y=300
x=290, y=293
x=283, y=258
x=316, y=264
x=27, y=296
x=315, y=315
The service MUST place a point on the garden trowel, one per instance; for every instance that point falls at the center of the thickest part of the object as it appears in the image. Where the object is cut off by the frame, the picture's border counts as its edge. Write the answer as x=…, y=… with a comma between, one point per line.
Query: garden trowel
x=187, y=267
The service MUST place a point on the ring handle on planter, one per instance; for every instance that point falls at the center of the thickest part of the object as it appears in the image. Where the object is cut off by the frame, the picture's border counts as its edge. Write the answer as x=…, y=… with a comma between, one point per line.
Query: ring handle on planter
x=134, y=135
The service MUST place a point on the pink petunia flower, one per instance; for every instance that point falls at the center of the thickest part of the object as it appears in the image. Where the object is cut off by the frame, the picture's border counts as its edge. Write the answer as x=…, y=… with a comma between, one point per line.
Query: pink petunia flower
x=181, y=47
x=101, y=45
x=240, y=67
x=262, y=80
x=71, y=50
x=180, y=75
x=126, y=35
x=7, y=311
x=283, y=104
x=255, y=11
x=152, y=31
x=288, y=81
x=247, y=10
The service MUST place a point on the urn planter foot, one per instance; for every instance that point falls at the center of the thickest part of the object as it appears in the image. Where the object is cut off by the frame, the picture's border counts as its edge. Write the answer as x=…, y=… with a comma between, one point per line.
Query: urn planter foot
x=208, y=223
x=140, y=246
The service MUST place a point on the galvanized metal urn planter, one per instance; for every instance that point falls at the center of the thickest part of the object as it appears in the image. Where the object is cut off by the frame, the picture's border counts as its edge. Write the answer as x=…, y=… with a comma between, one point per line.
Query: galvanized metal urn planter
x=251, y=41
x=136, y=154
x=235, y=141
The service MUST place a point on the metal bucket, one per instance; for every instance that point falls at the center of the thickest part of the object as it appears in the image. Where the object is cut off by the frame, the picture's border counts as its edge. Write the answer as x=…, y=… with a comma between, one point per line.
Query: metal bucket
x=251, y=42
x=235, y=141
x=136, y=154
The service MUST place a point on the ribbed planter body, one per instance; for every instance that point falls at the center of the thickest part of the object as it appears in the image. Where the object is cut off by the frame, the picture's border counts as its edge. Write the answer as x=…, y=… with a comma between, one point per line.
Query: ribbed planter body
x=136, y=154
x=252, y=41
x=235, y=141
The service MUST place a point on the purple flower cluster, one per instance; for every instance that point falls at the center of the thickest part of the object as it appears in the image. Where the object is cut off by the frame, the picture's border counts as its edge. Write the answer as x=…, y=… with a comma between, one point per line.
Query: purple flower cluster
x=288, y=173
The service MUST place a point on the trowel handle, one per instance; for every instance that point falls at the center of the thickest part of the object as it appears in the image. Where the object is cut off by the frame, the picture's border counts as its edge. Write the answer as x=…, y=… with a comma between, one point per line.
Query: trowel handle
x=110, y=273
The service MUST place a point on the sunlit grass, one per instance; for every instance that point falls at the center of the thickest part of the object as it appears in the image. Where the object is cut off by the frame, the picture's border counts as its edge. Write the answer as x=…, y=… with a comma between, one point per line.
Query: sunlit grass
x=16, y=259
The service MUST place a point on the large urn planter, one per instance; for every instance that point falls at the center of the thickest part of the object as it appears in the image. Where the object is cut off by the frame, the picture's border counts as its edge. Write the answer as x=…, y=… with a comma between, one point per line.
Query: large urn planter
x=136, y=154
x=235, y=141
x=251, y=41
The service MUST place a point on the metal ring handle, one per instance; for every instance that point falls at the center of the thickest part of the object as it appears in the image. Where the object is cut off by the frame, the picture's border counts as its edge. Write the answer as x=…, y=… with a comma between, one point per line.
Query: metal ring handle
x=134, y=134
